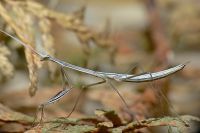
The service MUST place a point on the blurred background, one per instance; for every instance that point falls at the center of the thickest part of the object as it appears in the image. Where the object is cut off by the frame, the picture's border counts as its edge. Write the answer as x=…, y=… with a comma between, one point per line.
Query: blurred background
x=110, y=36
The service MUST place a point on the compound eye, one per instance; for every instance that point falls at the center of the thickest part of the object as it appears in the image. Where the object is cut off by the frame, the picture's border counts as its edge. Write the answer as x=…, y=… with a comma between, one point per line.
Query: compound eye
x=45, y=58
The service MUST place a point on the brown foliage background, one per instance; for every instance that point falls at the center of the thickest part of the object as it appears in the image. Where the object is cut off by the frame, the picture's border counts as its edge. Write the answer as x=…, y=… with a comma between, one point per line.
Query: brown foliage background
x=105, y=36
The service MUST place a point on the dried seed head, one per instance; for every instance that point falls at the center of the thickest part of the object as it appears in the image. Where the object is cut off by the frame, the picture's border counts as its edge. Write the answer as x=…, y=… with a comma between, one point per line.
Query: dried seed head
x=6, y=67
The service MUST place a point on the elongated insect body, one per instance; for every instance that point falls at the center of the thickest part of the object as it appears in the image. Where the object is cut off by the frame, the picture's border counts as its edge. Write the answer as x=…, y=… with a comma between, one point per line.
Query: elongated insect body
x=122, y=77
x=103, y=75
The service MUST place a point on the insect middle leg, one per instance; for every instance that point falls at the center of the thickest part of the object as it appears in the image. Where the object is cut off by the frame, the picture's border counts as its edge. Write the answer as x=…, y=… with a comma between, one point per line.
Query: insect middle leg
x=82, y=89
x=94, y=84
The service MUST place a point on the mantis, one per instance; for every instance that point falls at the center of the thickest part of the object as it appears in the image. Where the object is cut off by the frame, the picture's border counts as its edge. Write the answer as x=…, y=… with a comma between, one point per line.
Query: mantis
x=105, y=76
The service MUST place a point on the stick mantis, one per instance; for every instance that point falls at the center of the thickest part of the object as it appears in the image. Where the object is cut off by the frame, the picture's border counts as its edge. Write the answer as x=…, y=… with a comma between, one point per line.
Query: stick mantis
x=105, y=76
